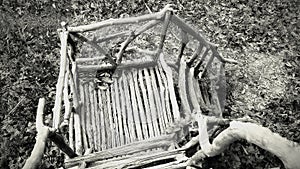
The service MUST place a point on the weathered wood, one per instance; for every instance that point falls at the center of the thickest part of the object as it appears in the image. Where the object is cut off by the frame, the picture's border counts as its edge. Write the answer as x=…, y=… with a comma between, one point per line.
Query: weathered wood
x=136, y=115
x=139, y=146
x=82, y=116
x=88, y=126
x=111, y=129
x=146, y=104
x=139, y=160
x=67, y=102
x=102, y=121
x=115, y=115
x=162, y=97
x=93, y=114
x=207, y=65
x=130, y=119
x=151, y=103
x=97, y=119
x=160, y=116
x=71, y=131
x=93, y=59
x=123, y=111
x=192, y=91
x=130, y=20
x=106, y=119
x=182, y=87
x=119, y=113
x=203, y=55
x=61, y=78
x=166, y=96
x=183, y=43
x=141, y=110
x=169, y=76
x=113, y=36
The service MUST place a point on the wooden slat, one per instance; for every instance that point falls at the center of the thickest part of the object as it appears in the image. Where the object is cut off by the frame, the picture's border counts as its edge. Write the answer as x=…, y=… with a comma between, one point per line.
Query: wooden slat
x=168, y=72
x=158, y=101
x=136, y=115
x=182, y=87
x=123, y=111
x=82, y=116
x=88, y=116
x=115, y=116
x=162, y=97
x=102, y=121
x=192, y=91
x=130, y=119
x=139, y=146
x=140, y=105
x=146, y=104
x=93, y=115
x=198, y=93
x=166, y=95
x=203, y=55
x=110, y=118
x=119, y=113
x=195, y=55
x=106, y=119
x=97, y=118
x=71, y=131
x=67, y=102
x=153, y=110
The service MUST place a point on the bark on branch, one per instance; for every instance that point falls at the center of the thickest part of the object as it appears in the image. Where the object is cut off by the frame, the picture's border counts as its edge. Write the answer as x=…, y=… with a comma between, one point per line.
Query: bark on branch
x=287, y=151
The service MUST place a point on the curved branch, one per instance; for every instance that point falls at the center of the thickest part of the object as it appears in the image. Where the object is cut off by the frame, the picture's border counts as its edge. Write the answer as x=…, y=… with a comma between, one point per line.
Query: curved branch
x=287, y=151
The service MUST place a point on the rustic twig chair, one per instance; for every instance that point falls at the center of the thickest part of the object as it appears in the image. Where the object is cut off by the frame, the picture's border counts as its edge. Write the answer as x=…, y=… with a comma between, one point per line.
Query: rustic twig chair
x=128, y=88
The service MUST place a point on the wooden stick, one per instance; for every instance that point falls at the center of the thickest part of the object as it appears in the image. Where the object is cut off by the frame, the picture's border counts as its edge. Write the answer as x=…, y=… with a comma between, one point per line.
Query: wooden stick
x=160, y=117
x=166, y=95
x=123, y=111
x=97, y=119
x=83, y=115
x=60, y=81
x=146, y=104
x=115, y=116
x=141, y=110
x=151, y=103
x=287, y=151
x=162, y=97
x=192, y=91
x=43, y=132
x=67, y=102
x=139, y=146
x=169, y=76
x=133, y=35
x=95, y=45
x=102, y=121
x=71, y=130
x=89, y=128
x=129, y=20
x=111, y=133
x=136, y=115
x=93, y=115
x=129, y=112
x=113, y=36
x=182, y=87
x=119, y=113
x=106, y=119
x=93, y=59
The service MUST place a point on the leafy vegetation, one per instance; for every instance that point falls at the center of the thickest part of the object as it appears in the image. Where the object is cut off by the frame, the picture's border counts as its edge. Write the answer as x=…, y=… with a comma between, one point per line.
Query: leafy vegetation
x=262, y=35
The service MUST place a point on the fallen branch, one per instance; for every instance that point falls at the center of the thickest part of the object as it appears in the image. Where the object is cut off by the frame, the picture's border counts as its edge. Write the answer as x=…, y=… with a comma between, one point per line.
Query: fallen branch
x=287, y=151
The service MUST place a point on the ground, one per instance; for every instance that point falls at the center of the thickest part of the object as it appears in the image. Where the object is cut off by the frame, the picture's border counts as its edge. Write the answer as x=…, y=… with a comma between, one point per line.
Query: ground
x=263, y=36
